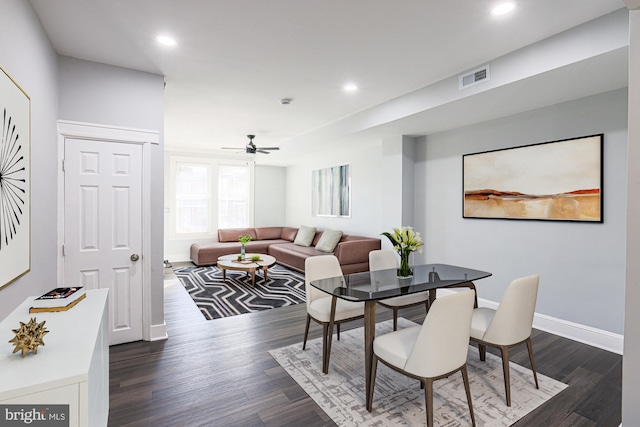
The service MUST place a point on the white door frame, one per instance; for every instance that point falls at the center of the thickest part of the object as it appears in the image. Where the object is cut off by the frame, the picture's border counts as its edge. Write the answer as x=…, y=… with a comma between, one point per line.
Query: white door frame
x=97, y=132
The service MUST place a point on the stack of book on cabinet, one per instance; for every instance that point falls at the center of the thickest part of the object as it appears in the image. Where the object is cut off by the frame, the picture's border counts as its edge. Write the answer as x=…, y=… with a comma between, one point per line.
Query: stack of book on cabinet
x=58, y=299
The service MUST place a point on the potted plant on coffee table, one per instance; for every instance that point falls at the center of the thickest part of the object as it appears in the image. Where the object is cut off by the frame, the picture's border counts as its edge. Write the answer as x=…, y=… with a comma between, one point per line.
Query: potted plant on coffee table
x=243, y=241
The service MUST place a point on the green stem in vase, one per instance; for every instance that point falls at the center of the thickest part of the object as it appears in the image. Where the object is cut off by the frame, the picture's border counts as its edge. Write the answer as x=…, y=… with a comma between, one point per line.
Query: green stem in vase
x=405, y=268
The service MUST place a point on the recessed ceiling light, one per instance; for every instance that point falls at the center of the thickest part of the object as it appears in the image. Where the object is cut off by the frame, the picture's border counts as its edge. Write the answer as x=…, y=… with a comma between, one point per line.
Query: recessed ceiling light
x=503, y=8
x=166, y=40
x=350, y=87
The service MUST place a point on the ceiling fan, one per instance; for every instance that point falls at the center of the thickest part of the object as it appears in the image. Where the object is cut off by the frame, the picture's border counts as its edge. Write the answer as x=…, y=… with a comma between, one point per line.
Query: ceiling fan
x=251, y=148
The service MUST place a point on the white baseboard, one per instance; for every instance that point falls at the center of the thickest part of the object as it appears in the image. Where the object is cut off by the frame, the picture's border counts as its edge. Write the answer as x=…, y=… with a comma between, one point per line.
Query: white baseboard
x=581, y=333
x=178, y=258
x=564, y=328
x=158, y=332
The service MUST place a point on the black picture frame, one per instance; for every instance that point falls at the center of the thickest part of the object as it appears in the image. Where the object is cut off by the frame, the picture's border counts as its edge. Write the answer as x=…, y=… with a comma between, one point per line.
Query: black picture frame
x=550, y=181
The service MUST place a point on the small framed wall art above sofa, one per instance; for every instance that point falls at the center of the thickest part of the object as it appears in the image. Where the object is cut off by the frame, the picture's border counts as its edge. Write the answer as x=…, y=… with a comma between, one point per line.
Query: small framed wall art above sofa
x=331, y=192
x=556, y=181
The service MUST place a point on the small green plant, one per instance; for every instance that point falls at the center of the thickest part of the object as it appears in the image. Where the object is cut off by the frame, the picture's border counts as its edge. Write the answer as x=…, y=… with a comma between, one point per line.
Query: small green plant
x=239, y=257
x=244, y=239
x=255, y=257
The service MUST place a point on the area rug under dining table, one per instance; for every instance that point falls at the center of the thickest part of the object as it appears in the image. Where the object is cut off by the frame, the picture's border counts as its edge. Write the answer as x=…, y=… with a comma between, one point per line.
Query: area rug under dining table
x=216, y=298
x=398, y=400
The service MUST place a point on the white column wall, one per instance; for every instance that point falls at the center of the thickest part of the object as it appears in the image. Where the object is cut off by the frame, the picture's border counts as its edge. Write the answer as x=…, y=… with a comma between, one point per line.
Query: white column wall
x=631, y=360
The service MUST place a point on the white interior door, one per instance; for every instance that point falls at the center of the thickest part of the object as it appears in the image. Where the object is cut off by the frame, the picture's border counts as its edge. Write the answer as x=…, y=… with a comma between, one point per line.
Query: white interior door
x=103, y=228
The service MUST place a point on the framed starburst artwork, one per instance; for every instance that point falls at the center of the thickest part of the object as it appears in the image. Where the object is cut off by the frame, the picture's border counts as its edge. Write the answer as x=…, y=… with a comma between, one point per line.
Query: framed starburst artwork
x=15, y=180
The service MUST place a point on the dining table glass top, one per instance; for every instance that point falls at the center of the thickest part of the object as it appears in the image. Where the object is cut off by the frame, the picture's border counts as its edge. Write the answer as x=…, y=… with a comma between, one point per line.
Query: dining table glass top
x=381, y=284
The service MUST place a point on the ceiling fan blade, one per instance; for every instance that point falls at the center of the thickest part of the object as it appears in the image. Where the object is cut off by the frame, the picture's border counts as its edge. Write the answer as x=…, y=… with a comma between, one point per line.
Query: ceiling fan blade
x=231, y=148
x=269, y=148
x=260, y=150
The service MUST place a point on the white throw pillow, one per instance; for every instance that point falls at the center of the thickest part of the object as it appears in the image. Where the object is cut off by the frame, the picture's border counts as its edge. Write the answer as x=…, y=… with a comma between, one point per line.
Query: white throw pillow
x=329, y=240
x=305, y=236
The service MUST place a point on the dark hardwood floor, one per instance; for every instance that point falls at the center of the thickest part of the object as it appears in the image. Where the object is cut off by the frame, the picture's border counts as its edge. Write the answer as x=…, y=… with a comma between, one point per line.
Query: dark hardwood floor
x=219, y=373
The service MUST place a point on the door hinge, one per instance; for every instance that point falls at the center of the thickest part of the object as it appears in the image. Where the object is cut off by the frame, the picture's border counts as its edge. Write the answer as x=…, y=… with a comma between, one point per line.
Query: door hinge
x=62, y=165
x=63, y=253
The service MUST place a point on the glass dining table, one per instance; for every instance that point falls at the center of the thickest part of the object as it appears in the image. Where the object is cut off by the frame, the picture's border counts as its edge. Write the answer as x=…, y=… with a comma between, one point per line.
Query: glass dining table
x=372, y=286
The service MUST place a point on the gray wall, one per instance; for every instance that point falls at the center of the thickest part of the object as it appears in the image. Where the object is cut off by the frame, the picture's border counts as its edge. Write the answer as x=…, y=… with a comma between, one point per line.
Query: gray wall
x=367, y=198
x=581, y=265
x=78, y=91
x=32, y=64
x=103, y=94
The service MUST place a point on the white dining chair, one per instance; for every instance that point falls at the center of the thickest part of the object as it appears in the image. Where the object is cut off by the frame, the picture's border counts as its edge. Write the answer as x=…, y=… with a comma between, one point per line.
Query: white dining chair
x=508, y=326
x=324, y=308
x=431, y=351
x=383, y=259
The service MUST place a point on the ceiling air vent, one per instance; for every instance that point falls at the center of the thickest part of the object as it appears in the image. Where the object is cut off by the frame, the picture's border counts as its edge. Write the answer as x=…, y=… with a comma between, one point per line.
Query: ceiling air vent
x=474, y=77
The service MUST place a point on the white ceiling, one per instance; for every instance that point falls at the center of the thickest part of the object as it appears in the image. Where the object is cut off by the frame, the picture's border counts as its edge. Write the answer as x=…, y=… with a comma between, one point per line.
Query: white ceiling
x=235, y=59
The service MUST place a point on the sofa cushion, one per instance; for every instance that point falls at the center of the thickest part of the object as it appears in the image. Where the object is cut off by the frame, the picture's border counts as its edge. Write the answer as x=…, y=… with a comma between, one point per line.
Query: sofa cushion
x=232, y=234
x=292, y=255
x=316, y=238
x=329, y=240
x=268, y=233
x=289, y=233
x=305, y=236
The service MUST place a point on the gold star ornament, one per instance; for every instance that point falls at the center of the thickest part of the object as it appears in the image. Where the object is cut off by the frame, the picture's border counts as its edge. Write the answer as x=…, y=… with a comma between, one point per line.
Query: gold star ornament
x=29, y=336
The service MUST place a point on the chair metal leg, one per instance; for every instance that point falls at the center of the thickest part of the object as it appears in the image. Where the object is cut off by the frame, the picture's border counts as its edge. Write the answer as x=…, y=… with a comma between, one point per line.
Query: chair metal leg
x=428, y=399
x=325, y=350
x=338, y=330
x=395, y=318
x=504, y=350
x=533, y=364
x=482, y=351
x=374, y=368
x=327, y=355
x=306, y=331
x=465, y=379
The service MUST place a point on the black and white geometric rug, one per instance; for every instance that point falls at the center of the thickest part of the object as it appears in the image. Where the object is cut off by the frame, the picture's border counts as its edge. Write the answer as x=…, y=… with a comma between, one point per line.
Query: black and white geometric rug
x=217, y=299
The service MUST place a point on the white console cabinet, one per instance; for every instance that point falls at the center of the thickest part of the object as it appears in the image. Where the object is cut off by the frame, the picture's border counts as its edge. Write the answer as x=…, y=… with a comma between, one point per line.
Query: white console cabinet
x=71, y=368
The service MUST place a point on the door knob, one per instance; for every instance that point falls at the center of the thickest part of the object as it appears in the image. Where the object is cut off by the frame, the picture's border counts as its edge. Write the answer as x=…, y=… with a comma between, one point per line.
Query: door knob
x=135, y=257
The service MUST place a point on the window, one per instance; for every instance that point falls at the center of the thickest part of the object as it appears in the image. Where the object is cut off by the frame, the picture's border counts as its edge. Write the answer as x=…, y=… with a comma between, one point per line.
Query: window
x=233, y=196
x=203, y=194
x=192, y=198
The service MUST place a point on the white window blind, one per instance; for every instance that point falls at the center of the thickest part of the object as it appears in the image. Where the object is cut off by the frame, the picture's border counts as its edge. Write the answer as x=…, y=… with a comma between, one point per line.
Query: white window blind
x=233, y=196
x=192, y=198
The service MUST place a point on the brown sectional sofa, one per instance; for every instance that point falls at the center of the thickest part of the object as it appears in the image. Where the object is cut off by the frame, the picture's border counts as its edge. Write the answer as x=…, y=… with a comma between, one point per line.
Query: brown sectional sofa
x=352, y=251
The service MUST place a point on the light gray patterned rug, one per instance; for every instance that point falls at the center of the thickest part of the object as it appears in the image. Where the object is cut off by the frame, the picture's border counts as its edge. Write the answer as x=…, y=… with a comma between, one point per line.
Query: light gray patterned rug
x=398, y=400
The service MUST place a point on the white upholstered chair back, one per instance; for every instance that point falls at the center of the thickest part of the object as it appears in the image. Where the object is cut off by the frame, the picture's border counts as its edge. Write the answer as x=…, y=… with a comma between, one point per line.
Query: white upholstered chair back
x=319, y=267
x=443, y=341
x=513, y=319
x=382, y=259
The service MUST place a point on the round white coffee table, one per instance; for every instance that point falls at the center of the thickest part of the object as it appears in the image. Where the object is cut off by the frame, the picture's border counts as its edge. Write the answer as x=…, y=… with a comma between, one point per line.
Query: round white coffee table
x=230, y=262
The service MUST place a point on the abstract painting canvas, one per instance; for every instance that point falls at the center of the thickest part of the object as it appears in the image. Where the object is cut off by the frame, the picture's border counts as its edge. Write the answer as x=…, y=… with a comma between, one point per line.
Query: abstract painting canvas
x=331, y=192
x=557, y=181
x=15, y=194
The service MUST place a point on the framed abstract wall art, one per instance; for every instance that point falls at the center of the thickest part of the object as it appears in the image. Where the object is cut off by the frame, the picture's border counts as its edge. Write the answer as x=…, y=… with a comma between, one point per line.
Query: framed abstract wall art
x=331, y=191
x=15, y=182
x=556, y=181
